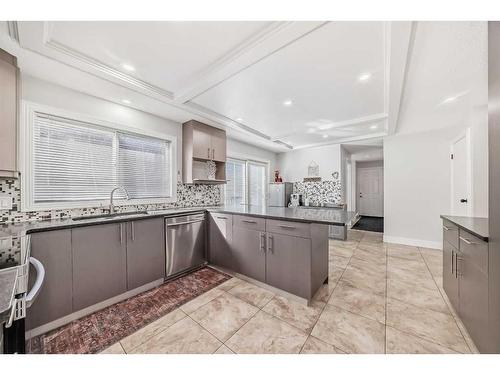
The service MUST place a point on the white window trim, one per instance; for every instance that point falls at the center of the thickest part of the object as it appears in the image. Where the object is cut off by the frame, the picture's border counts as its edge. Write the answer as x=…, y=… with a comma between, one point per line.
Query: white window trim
x=25, y=156
x=250, y=158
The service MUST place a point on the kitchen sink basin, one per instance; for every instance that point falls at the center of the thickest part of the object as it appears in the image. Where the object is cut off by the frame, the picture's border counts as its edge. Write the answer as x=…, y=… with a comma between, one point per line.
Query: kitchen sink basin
x=110, y=216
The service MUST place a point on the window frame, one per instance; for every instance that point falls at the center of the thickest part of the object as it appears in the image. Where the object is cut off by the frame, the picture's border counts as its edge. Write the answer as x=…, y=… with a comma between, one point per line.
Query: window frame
x=247, y=159
x=26, y=151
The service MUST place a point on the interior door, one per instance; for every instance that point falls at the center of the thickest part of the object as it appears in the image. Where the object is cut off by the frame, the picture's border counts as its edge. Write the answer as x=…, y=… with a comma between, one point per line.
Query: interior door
x=460, y=194
x=371, y=191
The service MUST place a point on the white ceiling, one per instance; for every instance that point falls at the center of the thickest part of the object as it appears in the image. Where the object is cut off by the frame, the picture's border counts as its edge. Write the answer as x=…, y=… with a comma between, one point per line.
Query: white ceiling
x=236, y=75
x=448, y=60
x=319, y=74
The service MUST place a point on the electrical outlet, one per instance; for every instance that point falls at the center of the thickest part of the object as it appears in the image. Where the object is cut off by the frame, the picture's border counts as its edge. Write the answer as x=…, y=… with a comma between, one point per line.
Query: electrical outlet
x=5, y=202
x=5, y=243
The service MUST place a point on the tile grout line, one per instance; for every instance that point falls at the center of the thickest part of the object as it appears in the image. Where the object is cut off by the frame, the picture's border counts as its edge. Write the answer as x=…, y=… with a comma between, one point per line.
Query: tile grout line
x=324, y=307
x=444, y=300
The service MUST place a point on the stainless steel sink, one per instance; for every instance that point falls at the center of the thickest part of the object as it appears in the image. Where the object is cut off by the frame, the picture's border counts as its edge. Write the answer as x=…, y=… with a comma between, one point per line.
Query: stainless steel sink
x=110, y=216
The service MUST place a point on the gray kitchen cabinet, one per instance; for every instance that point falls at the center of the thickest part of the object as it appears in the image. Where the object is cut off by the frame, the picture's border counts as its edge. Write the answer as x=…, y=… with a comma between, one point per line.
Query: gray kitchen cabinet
x=218, y=144
x=450, y=277
x=220, y=240
x=99, y=263
x=473, y=302
x=286, y=259
x=145, y=251
x=8, y=115
x=202, y=147
x=53, y=250
x=249, y=254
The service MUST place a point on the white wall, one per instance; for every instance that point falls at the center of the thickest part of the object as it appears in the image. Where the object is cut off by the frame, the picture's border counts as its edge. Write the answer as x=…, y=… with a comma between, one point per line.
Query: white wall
x=293, y=164
x=417, y=181
x=479, y=142
x=43, y=92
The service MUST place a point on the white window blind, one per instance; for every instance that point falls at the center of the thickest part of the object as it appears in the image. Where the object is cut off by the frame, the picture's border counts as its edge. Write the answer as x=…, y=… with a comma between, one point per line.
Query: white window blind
x=71, y=161
x=76, y=161
x=256, y=184
x=236, y=186
x=143, y=166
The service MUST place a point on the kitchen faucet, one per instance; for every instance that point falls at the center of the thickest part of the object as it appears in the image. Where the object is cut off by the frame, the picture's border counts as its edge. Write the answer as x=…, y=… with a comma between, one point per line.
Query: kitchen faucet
x=111, y=205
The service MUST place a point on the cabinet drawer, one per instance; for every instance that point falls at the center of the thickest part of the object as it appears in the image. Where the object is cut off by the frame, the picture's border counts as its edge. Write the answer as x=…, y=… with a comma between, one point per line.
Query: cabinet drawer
x=249, y=222
x=474, y=250
x=289, y=228
x=450, y=233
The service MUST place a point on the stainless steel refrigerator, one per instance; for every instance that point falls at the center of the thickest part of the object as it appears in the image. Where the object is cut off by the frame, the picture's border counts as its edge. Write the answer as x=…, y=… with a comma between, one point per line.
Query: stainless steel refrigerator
x=279, y=193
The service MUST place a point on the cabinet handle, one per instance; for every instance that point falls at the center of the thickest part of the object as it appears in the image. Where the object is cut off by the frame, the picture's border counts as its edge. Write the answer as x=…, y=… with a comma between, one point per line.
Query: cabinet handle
x=221, y=217
x=262, y=245
x=213, y=153
x=467, y=241
x=133, y=230
x=457, y=258
x=249, y=221
x=121, y=233
x=452, y=261
x=286, y=227
x=208, y=152
x=270, y=243
x=445, y=227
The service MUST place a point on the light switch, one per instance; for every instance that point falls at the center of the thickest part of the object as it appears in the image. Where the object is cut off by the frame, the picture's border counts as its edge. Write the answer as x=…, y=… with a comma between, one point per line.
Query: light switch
x=5, y=243
x=5, y=202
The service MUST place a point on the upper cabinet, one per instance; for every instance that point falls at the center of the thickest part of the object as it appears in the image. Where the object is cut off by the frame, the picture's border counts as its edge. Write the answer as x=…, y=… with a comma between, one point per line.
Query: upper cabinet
x=8, y=115
x=202, y=143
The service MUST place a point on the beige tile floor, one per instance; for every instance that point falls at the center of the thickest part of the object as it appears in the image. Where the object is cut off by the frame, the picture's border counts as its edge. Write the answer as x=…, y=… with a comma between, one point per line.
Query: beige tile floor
x=381, y=298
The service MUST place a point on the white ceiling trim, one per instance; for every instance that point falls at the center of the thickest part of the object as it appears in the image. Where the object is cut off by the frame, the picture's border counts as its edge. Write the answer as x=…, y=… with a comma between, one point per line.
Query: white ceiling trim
x=342, y=124
x=275, y=37
x=343, y=140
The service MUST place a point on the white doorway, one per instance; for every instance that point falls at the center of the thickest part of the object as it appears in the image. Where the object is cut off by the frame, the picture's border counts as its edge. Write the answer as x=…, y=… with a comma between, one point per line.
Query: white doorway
x=461, y=183
x=370, y=188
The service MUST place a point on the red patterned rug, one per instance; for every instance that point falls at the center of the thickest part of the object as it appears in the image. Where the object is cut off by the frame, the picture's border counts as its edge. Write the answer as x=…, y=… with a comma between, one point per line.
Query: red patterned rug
x=93, y=333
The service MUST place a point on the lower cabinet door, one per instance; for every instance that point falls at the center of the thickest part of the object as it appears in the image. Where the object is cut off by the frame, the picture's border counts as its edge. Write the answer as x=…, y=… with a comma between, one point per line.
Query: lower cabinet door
x=220, y=240
x=99, y=263
x=249, y=257
x=53, y=250
x=450, y=276
x=473, y=311
x=145, y=251
x=288, y=264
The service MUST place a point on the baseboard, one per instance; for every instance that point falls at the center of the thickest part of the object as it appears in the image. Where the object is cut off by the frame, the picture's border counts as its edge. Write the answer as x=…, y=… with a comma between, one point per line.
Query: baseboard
x=413, y=242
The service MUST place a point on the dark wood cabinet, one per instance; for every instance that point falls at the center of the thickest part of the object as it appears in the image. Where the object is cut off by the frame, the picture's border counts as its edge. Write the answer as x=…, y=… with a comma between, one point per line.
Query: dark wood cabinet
x=145, y=251
x=220, y=240
x=53, y=250
x=99, y=263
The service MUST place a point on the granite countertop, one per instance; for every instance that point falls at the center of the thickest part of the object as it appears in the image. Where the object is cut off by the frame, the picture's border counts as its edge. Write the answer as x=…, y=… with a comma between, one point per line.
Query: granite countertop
x=477, y=226
x=320, y=215
x=7, y=284
x=27, y=227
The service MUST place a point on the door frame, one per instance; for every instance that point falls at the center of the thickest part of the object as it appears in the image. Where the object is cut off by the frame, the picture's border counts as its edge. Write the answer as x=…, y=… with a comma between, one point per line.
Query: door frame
x=357, y=185
x=468, y=173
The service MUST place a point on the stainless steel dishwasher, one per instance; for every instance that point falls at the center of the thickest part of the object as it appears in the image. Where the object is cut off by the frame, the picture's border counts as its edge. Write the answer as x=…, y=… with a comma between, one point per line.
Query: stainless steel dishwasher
x=185, y=243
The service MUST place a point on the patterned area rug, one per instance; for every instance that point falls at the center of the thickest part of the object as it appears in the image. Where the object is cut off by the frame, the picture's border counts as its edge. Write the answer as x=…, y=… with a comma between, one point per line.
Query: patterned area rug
x=93, y=333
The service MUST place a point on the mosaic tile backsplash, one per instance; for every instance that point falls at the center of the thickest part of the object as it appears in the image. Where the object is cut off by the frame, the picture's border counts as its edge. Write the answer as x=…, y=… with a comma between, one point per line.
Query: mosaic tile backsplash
x=320, y=192
x=187, y=196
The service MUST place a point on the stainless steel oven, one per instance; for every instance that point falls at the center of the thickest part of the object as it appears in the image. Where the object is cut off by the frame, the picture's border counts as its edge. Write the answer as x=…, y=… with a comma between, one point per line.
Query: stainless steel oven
x=185, y=243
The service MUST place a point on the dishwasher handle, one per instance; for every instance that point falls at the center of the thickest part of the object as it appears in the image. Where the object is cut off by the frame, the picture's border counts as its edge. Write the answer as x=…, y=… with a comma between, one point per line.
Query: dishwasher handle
x=184, y=223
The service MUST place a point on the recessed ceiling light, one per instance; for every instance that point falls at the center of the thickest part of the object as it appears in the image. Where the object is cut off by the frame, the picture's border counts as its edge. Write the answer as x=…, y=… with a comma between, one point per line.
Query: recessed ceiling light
x=239, y=119
x=311, y=130
x=364, y=77
x=325, y=135
x=287, y=103
x=128, y=67
x=126, y=101
x=450, y=99
x=373, y=127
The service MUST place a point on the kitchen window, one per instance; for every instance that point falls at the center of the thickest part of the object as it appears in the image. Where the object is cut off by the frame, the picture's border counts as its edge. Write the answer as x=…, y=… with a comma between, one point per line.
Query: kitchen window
x=72, y=162
x=247, y=182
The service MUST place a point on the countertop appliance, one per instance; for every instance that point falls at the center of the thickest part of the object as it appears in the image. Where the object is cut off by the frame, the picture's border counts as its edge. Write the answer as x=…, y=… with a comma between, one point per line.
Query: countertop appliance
x=16, y=257
x=279, y=194
x=296, y=200
x=185, y=243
